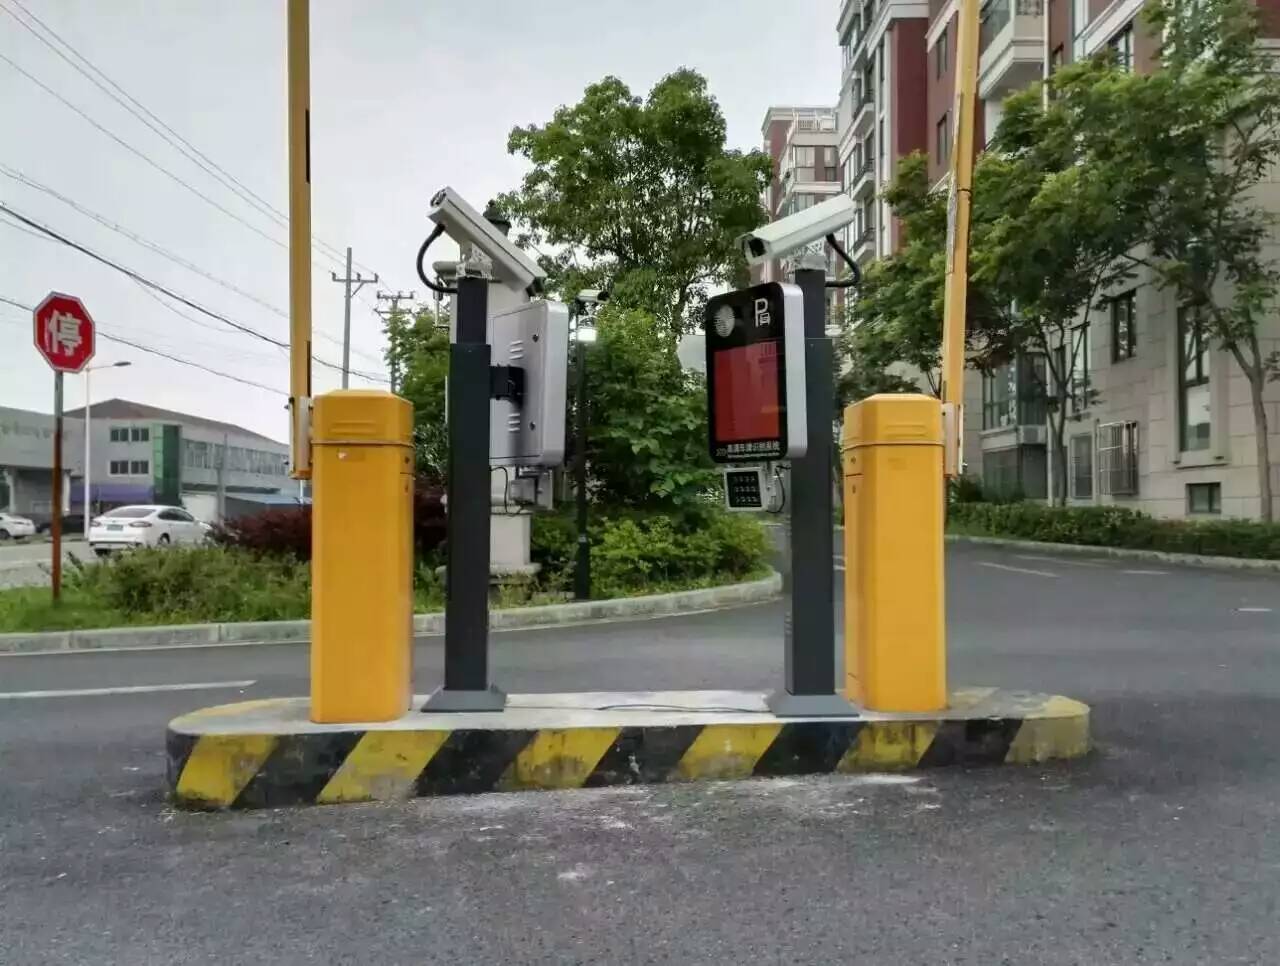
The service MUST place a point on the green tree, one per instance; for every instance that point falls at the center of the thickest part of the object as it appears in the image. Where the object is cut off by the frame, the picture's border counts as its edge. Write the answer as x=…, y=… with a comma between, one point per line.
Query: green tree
x=418, y=358
x=1209, y=235
x=641, y=190
x=647, y=417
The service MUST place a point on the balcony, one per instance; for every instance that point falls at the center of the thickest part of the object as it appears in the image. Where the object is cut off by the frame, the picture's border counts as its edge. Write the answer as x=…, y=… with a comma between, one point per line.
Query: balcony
x=863, y=111
x=1011, y=46
x=863, y=244
x=863, y=181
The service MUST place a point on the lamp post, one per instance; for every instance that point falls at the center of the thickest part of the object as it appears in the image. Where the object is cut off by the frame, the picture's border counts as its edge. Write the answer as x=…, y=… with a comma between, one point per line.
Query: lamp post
x=87, y=449
x=584, y=333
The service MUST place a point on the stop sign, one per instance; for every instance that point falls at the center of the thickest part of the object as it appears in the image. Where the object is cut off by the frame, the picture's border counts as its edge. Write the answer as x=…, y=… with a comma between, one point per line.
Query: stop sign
x=64, y=332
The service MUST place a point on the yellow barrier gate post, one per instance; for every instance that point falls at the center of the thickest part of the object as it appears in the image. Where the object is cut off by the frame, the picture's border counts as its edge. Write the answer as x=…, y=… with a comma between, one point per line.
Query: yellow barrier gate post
x=894, y=640
x=355, y=447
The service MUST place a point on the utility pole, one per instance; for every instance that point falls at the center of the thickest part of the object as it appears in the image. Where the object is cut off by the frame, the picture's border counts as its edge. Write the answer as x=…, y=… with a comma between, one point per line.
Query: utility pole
x=220, y=456
x=359, y=282
x=394, y=298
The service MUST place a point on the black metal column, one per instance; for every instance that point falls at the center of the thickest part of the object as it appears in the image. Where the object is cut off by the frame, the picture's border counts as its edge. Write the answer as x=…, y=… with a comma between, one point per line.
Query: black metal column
x=582, y=569
x=466, y=635
x=810, y=627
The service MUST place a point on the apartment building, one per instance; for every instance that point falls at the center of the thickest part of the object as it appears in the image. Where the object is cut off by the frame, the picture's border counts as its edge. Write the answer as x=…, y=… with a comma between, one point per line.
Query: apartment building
x=1164, y=423
x=806, y=168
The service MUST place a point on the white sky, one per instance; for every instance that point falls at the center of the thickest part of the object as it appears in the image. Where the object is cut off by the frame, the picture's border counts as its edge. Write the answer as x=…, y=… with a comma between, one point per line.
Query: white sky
x=407, y=96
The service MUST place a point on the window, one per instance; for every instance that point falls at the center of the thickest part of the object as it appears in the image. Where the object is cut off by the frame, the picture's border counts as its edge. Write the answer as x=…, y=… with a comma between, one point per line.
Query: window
x=1118, y=459
x=197, y=455
x=171, y=515
x=139, y=434
x=118, y=468
x=1122, y=46
x=1204, y=497
x=119, y=434
x=830, y=164
x=880, y=65
x=1079, y=16
x=998, y=397
x=139, y=467
x=1124, y=334
x=940, y=54
x=943, y=144
x=1081, y=466
x=1079, y=387
x=868, y=85
x=1193, y=383
x=880, y=141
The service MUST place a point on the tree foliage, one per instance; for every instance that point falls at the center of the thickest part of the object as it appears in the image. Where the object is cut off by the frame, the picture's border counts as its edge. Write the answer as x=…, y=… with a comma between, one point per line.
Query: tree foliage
x=647, y=417
x=418, y=358
x=640, y=190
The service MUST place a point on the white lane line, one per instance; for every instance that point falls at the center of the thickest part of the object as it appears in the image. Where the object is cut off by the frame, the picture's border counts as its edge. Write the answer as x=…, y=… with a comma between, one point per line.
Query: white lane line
x=1147, y=573
x=1016, y=570
x=136, y=689
x=1253, y=610
x=1059, y=560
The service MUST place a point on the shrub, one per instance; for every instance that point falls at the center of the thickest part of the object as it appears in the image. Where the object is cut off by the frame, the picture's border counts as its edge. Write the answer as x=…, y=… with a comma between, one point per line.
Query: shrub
x=286, y=531
x=196, y=584
x=1112, y=526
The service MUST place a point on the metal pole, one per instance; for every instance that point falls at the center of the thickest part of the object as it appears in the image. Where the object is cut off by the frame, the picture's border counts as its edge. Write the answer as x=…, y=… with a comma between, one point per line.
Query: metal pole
x=299, y=79
x=87, y=465
x=956, y=292
x=810, y=627
x=346, y=324
x=55, y=528
x=582, y=571
x=466, y=615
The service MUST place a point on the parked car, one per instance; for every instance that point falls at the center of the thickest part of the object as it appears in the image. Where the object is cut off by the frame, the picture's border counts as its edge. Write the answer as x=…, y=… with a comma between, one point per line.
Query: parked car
x=72, y=524
x=128, y=527
x=15, y=527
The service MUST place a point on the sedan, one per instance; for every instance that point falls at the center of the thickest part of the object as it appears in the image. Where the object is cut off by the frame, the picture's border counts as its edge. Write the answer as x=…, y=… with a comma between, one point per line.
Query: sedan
x=16, y=527
x=127, y=527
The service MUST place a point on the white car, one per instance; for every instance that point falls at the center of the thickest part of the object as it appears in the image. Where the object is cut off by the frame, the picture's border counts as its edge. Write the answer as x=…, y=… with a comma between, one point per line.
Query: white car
x=127, y=527
x=16, y=527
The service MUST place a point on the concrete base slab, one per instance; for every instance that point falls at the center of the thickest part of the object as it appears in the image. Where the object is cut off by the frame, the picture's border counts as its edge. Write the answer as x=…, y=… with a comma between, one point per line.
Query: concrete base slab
x=268, y=753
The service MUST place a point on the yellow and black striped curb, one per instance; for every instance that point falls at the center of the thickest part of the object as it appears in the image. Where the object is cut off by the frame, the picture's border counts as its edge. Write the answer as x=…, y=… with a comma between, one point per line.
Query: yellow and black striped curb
x=217, y=761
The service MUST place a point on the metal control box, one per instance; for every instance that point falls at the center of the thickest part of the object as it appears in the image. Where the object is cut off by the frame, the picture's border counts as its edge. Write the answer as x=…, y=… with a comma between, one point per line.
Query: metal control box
x=526, y=427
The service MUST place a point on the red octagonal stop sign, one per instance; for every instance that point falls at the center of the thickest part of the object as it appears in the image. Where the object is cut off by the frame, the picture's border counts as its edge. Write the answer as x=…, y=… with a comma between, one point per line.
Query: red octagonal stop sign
x=64, y=332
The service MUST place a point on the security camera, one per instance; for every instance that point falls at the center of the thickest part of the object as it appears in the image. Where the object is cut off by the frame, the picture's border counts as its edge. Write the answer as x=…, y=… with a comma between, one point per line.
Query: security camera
x=784, y=236
x=593, y=296
x=467, y=226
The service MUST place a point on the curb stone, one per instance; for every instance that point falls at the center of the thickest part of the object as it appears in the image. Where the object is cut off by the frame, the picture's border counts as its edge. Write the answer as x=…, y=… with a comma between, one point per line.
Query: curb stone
x=276, y=632
x=1124, y=553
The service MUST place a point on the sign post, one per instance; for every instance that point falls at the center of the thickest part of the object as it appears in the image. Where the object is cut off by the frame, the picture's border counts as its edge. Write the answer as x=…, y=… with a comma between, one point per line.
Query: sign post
x=64, y=335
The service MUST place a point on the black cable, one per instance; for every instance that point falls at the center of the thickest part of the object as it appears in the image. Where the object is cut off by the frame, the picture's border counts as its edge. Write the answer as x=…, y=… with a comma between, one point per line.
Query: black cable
x=422, y=253
x=855, y=279
x=142, y=279
x=782, y=488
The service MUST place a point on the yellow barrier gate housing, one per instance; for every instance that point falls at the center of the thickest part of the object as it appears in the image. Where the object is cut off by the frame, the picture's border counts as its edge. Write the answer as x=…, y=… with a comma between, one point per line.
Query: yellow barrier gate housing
x=361, y=557
x=894, y=634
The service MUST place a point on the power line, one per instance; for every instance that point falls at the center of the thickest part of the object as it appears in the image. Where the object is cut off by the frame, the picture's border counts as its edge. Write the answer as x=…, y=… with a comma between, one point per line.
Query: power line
x=160, y=250
x=181, y=144
x=156, y=286
x=158, y=352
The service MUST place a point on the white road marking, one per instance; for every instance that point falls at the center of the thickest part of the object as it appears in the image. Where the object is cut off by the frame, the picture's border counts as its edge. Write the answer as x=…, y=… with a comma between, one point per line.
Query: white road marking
x=1059, y=560
x=1253, y=610
x=135, y=689
x=1147, y=573
x=1016, y=570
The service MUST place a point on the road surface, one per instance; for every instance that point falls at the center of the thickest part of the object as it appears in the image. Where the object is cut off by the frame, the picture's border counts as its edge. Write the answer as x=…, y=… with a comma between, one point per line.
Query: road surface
x=1163, y=847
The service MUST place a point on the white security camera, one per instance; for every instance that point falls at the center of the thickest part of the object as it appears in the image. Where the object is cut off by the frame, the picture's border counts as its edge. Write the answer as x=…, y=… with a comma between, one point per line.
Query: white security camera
x=593, y=296
x=467, y=226
x=779, y=238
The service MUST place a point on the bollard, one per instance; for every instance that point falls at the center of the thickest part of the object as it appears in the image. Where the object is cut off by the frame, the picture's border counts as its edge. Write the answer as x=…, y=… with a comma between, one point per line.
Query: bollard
x=361, y=557
x=895, y=644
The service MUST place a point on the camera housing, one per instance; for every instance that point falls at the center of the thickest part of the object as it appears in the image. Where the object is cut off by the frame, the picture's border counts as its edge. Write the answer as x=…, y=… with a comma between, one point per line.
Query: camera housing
x=779, y=238
x=467, y=226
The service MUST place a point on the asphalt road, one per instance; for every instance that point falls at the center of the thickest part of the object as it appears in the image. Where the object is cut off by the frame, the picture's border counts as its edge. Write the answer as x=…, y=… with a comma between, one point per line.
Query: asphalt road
x=25, y=562
x=1162, y=847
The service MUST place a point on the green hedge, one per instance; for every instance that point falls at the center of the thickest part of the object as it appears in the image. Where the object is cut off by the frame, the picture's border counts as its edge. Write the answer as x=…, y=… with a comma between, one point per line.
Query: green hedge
x=648, y=553
x=1111, y=526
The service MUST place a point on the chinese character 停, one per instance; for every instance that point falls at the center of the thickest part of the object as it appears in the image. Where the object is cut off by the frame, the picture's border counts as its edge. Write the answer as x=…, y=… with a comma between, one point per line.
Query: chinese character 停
x=62, y=333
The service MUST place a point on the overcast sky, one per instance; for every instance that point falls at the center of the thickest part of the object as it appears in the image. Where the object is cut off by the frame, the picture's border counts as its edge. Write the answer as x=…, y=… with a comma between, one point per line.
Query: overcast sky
x=407, y=96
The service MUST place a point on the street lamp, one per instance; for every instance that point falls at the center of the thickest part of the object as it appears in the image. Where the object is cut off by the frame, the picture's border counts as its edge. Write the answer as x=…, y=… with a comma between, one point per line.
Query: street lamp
x=584, y=333
x=87, y=466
